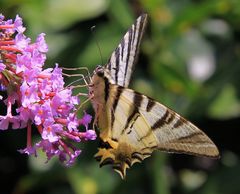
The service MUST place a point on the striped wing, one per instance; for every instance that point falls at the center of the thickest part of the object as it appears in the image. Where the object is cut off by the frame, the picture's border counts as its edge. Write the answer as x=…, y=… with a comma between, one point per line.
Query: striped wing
x=139, y=125
x=121, y=62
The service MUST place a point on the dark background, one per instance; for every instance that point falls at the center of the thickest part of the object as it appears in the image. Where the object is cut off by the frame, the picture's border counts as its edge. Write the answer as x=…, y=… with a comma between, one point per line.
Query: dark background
x=189, y=61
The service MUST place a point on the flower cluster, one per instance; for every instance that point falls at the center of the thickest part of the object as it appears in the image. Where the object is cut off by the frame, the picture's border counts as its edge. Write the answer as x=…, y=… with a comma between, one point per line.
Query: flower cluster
x=39, y=95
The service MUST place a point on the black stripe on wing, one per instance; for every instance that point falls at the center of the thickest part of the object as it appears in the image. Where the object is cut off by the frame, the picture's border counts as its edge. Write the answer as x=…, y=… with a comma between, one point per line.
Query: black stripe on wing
x=134, y=113
x=115, y=104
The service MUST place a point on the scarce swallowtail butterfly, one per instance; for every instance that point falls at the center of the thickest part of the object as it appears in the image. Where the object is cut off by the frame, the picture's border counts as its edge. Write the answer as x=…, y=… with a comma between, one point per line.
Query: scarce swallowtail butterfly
x=131, y=124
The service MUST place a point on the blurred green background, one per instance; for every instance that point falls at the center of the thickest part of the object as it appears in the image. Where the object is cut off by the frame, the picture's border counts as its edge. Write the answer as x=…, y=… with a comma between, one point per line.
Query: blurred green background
x=189, y=61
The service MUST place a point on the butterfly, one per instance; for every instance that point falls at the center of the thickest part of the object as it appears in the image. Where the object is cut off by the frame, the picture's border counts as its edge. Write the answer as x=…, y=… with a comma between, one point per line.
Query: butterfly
x=131, y=124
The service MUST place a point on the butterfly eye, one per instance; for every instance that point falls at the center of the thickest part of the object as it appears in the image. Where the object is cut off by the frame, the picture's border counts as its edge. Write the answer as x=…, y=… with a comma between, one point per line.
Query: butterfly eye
x=99, y=71
x=98, y=67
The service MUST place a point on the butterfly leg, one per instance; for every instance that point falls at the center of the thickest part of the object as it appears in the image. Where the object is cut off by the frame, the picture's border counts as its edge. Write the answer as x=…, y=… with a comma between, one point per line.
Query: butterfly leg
x=76, y=69
x=75, y=81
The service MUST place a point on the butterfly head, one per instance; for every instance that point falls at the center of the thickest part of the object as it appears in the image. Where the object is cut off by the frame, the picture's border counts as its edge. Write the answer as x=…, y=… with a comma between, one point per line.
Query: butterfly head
x=99, y=71
x=98, y=86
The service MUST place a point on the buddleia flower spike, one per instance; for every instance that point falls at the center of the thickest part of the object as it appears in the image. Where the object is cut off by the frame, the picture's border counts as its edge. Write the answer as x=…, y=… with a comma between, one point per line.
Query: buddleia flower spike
x=40, y=96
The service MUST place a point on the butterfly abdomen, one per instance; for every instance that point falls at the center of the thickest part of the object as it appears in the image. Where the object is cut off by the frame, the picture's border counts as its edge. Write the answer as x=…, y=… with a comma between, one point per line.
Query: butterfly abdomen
x=120, y=155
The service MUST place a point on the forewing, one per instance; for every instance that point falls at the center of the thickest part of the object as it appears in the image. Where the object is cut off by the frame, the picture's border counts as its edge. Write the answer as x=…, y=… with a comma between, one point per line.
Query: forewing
x=122, y=60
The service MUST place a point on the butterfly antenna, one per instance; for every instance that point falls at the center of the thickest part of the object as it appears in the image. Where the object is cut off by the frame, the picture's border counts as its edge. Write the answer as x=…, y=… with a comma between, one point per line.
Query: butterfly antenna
x=96, y=40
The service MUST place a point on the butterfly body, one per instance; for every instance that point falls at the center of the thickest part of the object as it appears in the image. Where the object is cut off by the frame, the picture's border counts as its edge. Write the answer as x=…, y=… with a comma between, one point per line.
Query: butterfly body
x=116, y=147
x=131, y=124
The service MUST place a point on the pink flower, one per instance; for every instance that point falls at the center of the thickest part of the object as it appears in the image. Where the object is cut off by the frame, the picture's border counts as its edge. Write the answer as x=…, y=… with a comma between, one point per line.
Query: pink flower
x=41, y=43
x=90, y=135
x=18, y=25
x=40, y=96
x=86, y=120
x=21, y=41
x=9, y=119
x=2, y=67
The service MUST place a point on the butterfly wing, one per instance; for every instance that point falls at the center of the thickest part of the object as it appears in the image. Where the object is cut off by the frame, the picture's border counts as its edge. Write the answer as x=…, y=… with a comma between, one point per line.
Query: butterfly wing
x=122, y=60
x=138, y=125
